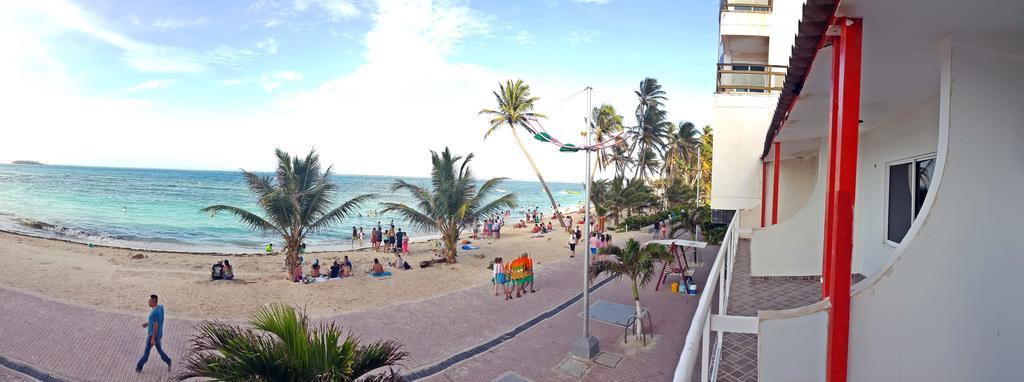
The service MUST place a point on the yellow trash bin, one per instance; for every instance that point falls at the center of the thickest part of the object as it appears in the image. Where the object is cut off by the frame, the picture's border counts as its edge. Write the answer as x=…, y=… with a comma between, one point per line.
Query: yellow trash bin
x=675, y=287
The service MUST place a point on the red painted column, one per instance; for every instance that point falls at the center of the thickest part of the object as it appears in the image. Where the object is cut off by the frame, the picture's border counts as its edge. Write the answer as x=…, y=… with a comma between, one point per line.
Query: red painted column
x=830, y=187
x=764, y=188
x=842, y=206
x=775, y=186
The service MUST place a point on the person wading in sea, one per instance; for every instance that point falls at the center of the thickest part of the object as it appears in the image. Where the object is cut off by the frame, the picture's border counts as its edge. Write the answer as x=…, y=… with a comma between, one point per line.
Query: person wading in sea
x=155, y=330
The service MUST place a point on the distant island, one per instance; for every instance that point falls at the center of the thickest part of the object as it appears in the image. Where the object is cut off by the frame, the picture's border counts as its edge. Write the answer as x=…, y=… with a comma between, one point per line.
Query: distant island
x=26, y=162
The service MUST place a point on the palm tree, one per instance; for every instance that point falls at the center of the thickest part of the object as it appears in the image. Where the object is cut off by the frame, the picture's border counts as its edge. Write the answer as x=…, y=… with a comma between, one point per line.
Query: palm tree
x=680, y=156
x=453, y=203
x=620, y=158
x=681, y=151
x=651, y=136
x=605, y=121
x=707, y=141
x=281, y=347
x=634, y=262
x=618, y=195
x=296, y=202
x=515, y=109
x=648, y=112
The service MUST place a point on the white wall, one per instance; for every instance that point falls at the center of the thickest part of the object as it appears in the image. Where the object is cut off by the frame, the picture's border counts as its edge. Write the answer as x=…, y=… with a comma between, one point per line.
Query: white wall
x=946, y=305
x=802, y=332
x=911, y=134
x=794, y=246
x=797, y=177
x=740, y=123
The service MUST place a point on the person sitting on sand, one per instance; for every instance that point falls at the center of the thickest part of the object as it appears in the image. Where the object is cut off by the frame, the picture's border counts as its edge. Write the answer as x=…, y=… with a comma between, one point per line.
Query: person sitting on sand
x=346, y=270
x=229, y=273
x=335, y=270
x=217, y=271
x=346, y=263
x=551, y=228
x=377, y=269
x=398, y=261
x=315, y=269
x=536, y=229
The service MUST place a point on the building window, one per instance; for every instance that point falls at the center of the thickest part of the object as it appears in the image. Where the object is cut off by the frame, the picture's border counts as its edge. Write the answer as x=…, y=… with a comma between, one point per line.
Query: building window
x=908, y=185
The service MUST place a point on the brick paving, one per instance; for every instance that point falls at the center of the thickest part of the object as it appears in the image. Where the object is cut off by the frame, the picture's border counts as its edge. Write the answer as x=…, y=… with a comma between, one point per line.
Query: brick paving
x=537, y=353
x=748, y=295
x=80, y=343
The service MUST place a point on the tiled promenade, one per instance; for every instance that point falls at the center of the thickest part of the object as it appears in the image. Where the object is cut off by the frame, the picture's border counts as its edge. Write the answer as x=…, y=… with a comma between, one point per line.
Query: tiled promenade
x=79, y=343
x=748, y=295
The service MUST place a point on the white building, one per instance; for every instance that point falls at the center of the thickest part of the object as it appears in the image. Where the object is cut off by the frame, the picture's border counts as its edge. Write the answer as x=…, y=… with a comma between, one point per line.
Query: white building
x=900, y=124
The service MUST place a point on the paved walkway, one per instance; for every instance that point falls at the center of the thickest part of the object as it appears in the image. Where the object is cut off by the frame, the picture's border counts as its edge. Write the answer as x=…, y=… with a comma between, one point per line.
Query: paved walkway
x=748, y=295
x=80, y=343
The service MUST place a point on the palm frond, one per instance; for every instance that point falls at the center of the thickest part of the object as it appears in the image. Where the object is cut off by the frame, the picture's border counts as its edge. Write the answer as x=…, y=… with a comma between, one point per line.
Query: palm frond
x=254, y=221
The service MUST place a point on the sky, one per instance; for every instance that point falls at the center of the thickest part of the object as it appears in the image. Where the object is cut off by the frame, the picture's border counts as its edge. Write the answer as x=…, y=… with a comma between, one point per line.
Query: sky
x=372, y=85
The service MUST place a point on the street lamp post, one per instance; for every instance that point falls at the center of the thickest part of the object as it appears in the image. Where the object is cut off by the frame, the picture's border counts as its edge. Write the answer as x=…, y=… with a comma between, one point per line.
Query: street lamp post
x=586, y=346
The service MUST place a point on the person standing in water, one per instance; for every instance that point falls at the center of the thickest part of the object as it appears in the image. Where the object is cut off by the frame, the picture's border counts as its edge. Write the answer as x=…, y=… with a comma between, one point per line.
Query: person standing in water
x=155, y=330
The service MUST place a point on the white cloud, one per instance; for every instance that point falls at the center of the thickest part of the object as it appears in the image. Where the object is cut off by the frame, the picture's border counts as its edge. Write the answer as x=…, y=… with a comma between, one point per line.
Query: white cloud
x=336, y=9
x=581, y=37
x=591, y=1
x=271, y=23
x=151, y=84
x=269, y=81
x=524, y=38
x=171, y=23
x=55, y=17
x=269, y=45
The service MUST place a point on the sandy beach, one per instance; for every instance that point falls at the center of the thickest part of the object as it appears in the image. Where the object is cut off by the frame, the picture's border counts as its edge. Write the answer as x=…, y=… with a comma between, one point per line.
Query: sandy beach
x=116, y=279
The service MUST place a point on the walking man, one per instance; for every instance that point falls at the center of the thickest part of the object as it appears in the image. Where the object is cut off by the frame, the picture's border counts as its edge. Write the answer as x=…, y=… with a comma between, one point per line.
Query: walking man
x=155, y=330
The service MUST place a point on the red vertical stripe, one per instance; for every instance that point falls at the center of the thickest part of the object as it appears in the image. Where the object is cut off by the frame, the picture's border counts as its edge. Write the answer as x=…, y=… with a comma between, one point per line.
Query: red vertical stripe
x=775, y=185
x=830, y=186
x=764, y=188
x=842, y=206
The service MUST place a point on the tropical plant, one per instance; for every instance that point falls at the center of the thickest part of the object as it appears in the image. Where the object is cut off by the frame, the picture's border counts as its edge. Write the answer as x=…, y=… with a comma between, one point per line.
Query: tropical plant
x=296, y=202
x=635, y=262
x=689, y=218
x=515, y=109
x=620, y=158
x=619, y=195
x=707, y=141
x=280, y=346
x=605, y=121
x=453, y=202
x=652, y=126
x=681, y=152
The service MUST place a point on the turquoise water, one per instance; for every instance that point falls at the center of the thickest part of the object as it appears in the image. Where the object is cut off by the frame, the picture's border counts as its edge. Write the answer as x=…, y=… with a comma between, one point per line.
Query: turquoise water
x=159, y=209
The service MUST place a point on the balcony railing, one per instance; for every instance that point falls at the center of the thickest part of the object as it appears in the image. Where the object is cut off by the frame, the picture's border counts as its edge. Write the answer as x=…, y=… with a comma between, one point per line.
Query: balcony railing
x=756, y=6
x=698, y=337
x=750, y=78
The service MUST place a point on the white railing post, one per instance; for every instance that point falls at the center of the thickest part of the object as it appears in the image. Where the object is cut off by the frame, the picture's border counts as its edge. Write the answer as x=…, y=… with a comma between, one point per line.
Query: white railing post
x=699, y=333
x=705, y=343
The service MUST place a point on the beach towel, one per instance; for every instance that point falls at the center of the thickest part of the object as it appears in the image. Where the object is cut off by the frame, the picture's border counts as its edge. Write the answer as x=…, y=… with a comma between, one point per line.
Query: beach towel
x=385, y=274
x=470, y=247
x=517, y=270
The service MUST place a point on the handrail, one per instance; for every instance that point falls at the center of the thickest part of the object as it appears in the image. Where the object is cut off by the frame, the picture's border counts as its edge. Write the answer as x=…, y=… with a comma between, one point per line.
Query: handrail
x=767, y=78
x=696, y=337
x=757, y=6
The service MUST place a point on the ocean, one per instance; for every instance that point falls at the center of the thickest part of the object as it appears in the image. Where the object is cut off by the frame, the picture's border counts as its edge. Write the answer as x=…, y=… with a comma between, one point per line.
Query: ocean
x=159, y=209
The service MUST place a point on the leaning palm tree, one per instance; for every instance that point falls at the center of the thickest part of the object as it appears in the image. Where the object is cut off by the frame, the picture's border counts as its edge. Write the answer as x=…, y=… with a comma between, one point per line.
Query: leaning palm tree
x=280, y=346
x=681, y=151
x=651, y=136
x=636, y=262
x=515, y=109
x=453, y=203
x=296, y=202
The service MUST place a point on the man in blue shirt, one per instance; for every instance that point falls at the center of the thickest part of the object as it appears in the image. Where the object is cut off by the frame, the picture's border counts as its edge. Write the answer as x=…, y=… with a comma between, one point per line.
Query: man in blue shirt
x=154, y=331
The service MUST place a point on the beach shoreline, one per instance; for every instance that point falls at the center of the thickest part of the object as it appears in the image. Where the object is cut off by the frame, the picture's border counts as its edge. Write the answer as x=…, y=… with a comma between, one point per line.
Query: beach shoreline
x=118, y=279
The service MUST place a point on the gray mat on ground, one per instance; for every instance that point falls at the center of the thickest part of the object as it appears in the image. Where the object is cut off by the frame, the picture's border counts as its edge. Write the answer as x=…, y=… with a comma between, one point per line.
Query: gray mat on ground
x=611, y=313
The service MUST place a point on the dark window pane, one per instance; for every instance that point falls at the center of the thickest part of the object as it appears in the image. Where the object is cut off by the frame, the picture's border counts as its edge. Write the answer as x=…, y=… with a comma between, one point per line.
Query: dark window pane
x=899, y=202
x=924, y=169
x=757, y=68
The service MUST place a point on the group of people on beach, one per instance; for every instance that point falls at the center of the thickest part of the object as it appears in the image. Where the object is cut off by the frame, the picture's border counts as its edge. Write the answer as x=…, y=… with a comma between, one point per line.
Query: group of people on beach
x=390, y=240
x=514, y=276
x=490, y=228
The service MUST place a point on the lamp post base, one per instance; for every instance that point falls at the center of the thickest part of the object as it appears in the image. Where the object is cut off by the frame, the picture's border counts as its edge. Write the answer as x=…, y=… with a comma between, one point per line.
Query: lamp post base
x=585, y=347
